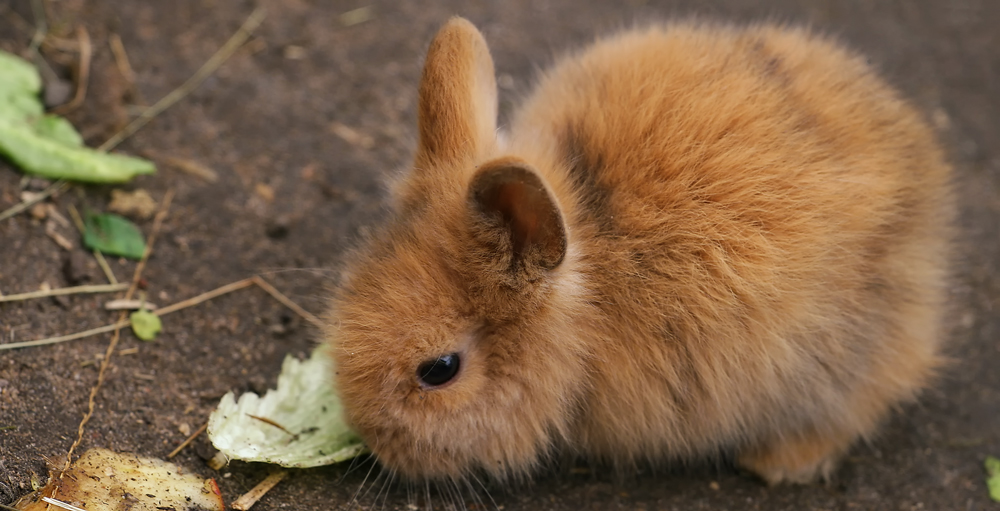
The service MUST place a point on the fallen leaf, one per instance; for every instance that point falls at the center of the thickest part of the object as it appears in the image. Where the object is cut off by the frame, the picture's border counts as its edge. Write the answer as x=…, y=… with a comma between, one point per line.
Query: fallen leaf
x=145, y=324
x=48, y=145
x=305, y=404
x=993, y=477
x=114, y=235
x=109, y=481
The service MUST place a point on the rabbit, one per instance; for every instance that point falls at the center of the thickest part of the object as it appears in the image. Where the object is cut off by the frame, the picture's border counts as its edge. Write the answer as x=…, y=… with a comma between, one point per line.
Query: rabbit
x=693, y=240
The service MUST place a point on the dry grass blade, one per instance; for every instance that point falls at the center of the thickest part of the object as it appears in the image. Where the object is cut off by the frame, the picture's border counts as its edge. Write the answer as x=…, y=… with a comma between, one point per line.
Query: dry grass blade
x=183, y=304
x=209, y=67
x=270, y=422
x=65, y=338
x=54, y=188
x=124, y=66
x=204, y=297
x=103, y=263
x=251, y=497
x=41, y=25
x=82, y=74
x=100, y=288
x=61, y=504
x=157, y=224
x=306, y=315
x=187, y=441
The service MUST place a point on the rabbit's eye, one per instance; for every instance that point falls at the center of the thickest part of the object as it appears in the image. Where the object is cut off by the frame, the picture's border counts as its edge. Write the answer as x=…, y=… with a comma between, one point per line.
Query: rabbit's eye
x=438, y=371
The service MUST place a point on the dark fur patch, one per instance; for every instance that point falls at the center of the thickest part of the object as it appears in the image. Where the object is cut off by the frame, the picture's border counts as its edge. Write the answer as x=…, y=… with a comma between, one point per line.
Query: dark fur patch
x=585, y=166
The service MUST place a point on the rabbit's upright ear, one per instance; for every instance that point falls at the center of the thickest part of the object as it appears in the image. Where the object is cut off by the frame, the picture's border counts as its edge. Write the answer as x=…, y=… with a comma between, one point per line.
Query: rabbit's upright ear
x=458, y=96
x=516, y=211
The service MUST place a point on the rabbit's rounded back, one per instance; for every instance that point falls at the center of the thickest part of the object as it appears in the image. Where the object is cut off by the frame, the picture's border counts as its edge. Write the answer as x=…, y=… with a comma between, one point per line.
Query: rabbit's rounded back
x=694, y=238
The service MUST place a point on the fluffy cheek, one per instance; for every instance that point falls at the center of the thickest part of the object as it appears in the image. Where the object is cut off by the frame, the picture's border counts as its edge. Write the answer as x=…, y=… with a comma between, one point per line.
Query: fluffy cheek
x=478, y=423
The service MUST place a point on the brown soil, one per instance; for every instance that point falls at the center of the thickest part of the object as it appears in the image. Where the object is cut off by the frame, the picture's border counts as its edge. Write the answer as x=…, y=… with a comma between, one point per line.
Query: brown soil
x=263, y=122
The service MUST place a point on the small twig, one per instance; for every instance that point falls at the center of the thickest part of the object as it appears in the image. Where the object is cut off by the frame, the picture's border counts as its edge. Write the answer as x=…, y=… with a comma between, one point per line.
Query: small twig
x=54, y=188
x=190, y=302
x=41, y=25
x=270, y=422
x=77, y=219
x=110, y=351
x=65, y=338
x=82, y=75
x=101, y=261
x=163, y=311
x=308, y=316
x=59, y=239
x=121, y=60
x=204, y=297
x=64, y=505
x=187, y=442
x=100, y=288
x=209, y=67
x=251, y=497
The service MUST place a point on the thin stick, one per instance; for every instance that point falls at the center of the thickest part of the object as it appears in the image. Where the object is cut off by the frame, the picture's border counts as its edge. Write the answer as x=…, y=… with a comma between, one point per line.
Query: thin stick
x=251, y=497
x=270, y=422
x=209, y=67
x=98, y=288
x=65, y=338
x=54, y=188
x=64, y=505
x=124, y=66
x=41, y=25
x=308, y=316
x=187, y=442
x=108, y=353
x=190, y=302
x=181, y=305
x=163, y=311
x=83, y=74
x=204, y=297
x=101, y=261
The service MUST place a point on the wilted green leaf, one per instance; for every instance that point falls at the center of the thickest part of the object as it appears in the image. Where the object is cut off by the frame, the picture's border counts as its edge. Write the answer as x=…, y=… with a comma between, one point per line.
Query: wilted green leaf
x=114, y=235
x=48, y=145
x=57, y=129
x=145, y=324
x=18, y=74
x=307, y=407
x=993, y=477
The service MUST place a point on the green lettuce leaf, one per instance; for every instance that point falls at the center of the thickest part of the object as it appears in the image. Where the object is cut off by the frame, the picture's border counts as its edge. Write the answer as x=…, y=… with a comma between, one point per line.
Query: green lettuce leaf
x=47, y=145
x=312, y=429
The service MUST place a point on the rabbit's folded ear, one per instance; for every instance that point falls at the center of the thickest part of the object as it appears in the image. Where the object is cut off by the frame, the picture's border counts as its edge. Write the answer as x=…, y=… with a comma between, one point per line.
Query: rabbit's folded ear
x=457, y=113
x=509, y=196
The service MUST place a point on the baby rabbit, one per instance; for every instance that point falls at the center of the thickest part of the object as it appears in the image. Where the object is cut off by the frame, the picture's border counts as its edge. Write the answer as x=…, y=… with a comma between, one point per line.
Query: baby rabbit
x=693, y=239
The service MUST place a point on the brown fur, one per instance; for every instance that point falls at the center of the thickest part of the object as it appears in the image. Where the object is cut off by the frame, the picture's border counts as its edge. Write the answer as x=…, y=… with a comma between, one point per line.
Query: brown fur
x=694, y=238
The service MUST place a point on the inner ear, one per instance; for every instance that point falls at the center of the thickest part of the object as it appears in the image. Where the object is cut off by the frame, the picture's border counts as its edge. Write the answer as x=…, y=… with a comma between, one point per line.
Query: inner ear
x=509, y=192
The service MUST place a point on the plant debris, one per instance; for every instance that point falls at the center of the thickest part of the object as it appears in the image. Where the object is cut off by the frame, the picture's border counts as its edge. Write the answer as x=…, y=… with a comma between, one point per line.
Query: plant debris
x=136, y=204
x=102, y=480
x=48, y=145
x=312, y=433
x=993, y=477
x=114, y=235
x=145, y=324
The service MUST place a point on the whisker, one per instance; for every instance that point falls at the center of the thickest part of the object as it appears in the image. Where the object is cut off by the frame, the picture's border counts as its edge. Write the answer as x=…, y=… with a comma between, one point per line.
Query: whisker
x=355, y=464
x=357, y=493
x=485, y=490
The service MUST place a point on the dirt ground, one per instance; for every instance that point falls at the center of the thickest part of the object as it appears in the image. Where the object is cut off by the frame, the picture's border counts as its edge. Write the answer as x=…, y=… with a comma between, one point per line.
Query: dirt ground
x=292, y=194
